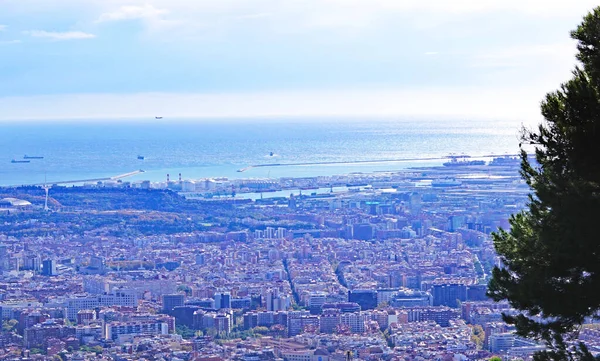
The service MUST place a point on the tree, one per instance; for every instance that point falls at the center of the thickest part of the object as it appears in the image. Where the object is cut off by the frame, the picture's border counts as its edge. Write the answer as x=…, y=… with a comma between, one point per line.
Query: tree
x=551, y=255
x=9, y=325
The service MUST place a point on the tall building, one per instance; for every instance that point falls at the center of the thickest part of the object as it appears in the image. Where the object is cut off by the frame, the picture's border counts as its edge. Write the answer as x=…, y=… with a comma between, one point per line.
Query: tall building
x=49, y=268
x=315, y=302
x=367, y=299
x=33, y=262
x=222, y=300
x=448, y=294
x=200, y=259
x=171, y=301
x=355, y=321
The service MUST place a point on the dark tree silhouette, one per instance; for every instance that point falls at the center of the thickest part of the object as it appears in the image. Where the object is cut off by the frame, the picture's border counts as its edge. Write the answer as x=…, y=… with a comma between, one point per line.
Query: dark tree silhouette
x=551, y=255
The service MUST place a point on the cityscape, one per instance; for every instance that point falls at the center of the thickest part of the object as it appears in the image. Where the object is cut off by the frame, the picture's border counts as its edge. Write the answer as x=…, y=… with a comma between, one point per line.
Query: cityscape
x=299, y=180
x=371, y=266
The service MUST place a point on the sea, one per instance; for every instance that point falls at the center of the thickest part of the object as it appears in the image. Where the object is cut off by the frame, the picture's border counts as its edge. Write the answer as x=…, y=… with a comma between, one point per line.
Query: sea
x=202, y=148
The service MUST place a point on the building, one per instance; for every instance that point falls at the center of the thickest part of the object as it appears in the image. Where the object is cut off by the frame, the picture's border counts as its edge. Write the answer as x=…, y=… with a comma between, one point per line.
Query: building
x=113, y=330
x=342, y=306
x=171, y=301
x=223, y=323
x=77, y=303
x=447, y=294
x=33, y=263
x=37, y=335
x=222, y=300
x=315, y=302
x=298, y=321
x=330, y=319
x=49, y=268
x=501, y=342
x=355, y=321
x=84, y=317
x=367, y=299
x=440, y=315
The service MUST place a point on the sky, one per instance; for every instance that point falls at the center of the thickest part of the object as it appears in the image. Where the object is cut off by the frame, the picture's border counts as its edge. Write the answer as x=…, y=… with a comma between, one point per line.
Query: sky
x=114, y=59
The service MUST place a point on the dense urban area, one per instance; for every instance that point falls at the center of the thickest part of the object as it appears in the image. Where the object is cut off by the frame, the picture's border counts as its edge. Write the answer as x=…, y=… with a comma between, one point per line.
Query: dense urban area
x=377, y=266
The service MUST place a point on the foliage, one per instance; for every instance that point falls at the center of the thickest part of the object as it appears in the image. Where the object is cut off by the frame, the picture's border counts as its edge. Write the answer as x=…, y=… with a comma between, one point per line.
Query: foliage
x=9, y=325
x=495, y=358
x=184, y=331
x=477, y=336
x=551, y=253
x=185, y=288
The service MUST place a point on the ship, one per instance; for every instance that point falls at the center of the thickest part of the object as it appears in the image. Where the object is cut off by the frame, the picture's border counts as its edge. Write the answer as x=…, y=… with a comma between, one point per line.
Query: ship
x=32, y=157
x=20, y=161
x=506, y=161
x=158, y=117
x=462, y=163
x=140, y=157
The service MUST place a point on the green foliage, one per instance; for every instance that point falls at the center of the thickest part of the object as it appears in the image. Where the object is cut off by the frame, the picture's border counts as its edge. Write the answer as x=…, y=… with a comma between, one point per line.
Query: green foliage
x=36, y=351
x=185, y=288
x=551, y=253
x=9, y=325
x=495, y=358
x=477, y=336
x=184, y=331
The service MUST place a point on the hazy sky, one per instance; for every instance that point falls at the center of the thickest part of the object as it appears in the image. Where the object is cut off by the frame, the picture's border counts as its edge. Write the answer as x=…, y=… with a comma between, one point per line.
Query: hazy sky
x=116, y=58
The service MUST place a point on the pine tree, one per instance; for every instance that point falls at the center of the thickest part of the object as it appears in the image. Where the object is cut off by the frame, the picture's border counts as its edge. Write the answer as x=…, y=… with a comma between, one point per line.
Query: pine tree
x=551, y=255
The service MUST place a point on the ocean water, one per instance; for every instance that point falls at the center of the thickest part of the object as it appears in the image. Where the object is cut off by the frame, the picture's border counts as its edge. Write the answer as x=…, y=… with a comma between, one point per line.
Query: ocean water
x=215, y=148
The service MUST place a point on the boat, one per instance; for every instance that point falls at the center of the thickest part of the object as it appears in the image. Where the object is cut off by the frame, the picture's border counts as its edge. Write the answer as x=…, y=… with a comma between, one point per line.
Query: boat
x=20, y=161
x=158, y=117
x=271, y=154
x=506, y=161
x=32, y=157
x=462, y=163
x=140, y=157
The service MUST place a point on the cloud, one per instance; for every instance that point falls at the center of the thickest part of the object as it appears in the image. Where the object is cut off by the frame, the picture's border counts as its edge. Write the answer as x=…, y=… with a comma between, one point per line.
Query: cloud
x=3, y=27
x=131, y=12
x=253, y=16
x=56, y=35
x=562, y=54
x=10, y=42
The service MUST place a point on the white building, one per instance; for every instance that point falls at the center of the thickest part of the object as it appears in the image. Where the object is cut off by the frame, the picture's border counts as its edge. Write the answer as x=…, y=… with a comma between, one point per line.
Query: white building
x=77, y=303
x=113, y=330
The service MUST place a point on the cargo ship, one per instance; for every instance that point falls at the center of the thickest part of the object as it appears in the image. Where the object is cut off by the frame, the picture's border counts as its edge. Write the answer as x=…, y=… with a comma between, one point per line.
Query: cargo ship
x=32, y=157
x=20, y=161
x=141, y=157
x=462, y=163
x=506, y=161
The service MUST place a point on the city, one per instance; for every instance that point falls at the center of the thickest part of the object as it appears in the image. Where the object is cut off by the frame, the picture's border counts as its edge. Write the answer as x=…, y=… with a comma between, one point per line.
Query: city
x=390, y=266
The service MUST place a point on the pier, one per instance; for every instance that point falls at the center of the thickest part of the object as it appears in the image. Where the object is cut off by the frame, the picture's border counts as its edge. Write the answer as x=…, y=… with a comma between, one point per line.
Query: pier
x=371, y=161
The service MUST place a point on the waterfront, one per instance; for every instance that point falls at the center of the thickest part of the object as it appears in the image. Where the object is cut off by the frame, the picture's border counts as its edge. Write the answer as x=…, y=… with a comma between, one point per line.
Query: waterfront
x=212, y=149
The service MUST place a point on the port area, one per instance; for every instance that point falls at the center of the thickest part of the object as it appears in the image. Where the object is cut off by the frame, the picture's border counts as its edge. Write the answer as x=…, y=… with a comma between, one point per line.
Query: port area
x=453, y=160
x=444, y=178
x=325, y=191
